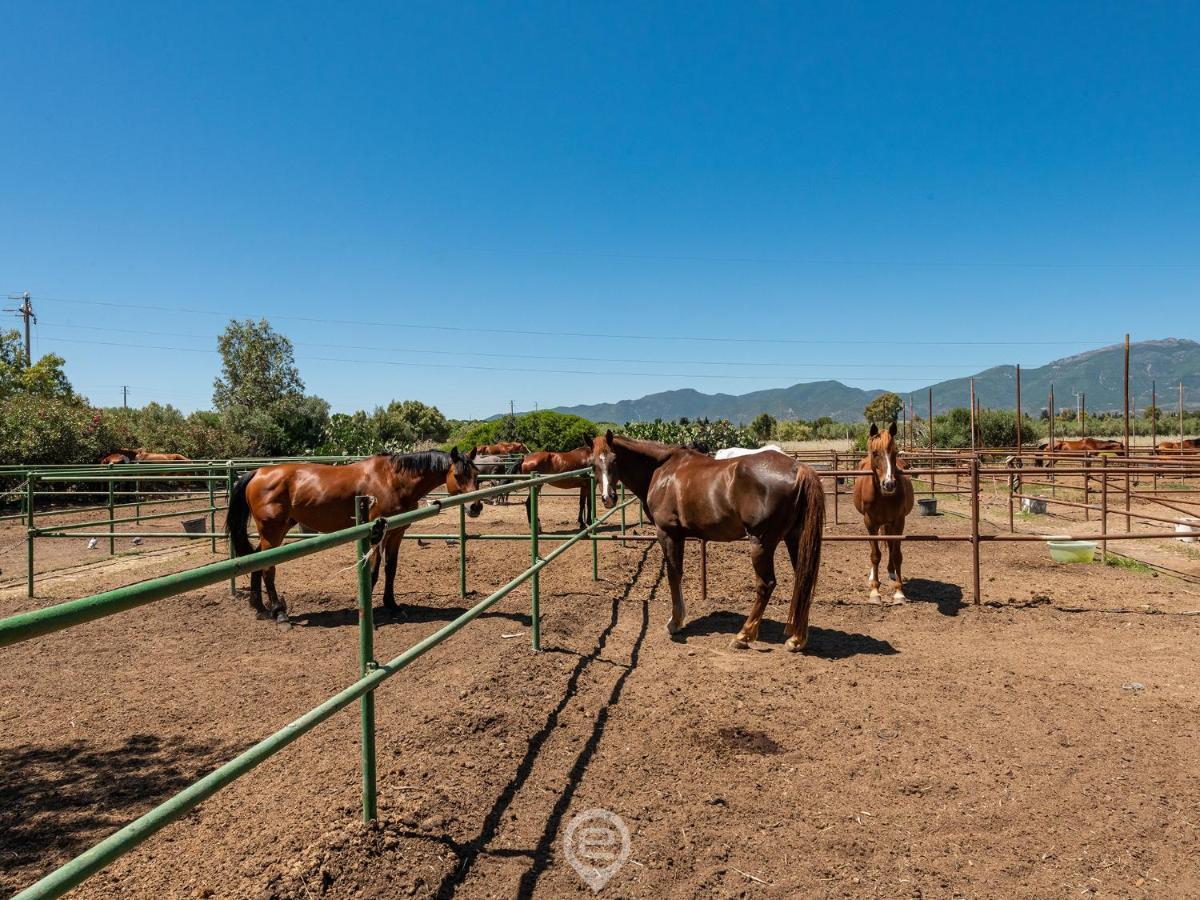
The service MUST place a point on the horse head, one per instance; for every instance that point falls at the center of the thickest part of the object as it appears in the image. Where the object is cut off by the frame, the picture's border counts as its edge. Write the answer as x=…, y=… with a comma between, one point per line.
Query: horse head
x=604, y=465
x=882, y=451
x=462, y=478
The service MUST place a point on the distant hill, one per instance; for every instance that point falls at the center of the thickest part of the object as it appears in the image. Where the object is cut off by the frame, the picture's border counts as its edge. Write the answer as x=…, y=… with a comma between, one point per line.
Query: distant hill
x=1097, y=373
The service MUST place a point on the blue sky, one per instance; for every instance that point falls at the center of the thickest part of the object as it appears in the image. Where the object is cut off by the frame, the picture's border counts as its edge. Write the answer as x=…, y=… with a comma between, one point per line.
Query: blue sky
x=885, y=194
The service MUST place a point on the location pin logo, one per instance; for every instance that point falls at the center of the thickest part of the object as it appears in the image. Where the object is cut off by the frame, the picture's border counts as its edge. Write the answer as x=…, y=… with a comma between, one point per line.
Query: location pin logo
x=596, y=844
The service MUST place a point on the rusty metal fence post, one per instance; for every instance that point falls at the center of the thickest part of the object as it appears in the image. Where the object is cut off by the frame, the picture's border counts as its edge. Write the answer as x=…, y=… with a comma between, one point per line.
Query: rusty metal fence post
x=975, y=529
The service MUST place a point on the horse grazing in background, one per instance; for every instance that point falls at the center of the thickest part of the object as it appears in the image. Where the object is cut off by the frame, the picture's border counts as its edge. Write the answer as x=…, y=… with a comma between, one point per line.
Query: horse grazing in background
x=117, y=457
x=141, y=455
x=546, y=462
x=735, y=452
x=884, y=498
x=503, y=448
x=767, y=497
x=321, y=498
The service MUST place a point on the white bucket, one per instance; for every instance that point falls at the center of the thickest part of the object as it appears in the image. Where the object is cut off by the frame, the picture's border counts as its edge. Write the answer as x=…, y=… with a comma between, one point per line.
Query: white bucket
x=1190, y=526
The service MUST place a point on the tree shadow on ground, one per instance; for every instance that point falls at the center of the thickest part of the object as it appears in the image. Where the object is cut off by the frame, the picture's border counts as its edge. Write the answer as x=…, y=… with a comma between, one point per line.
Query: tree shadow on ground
x=947, y=596
x=60, y=800
x=826, y=643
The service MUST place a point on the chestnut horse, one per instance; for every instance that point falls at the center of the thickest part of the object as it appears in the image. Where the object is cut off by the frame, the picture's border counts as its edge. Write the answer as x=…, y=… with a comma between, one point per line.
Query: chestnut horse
x=1185, y=446
x=1083, y=447
x=117, y=457
x=141, y=455
x=884, y=498
x=767, y=497
x=503, y=448
x=321, y=498
x=546, y=462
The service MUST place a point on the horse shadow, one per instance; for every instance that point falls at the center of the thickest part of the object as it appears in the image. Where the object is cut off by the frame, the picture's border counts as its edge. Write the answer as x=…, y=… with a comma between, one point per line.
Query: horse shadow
x=403, y=614
x=824, y=643
x=61, y=799
x=947, y=596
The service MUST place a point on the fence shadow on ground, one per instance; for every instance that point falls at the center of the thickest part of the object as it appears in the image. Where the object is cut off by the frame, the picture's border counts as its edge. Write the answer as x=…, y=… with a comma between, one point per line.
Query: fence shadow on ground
x=826, y=643
x=405, y=613
x=60, y=800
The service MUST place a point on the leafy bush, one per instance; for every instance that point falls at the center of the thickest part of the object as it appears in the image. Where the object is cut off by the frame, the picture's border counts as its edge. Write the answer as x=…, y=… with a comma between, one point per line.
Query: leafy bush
x=47, y=430
x=542, y=430
x=712, y=435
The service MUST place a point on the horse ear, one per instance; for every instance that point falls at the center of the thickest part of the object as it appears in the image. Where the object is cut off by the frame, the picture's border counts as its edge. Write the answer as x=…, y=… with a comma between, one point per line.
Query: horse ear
x=608, y=437
x=892, y=429
x=471, y=455
x=874, y=429
x=453, y=454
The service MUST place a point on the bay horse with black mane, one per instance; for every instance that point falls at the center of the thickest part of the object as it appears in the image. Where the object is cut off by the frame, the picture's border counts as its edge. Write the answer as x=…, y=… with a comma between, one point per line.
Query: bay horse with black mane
x=884, y=498
x=321, y=498
x=548, y=462
x=766, y=497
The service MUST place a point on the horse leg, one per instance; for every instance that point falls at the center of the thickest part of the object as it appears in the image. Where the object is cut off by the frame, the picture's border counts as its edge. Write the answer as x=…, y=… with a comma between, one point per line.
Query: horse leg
x=763, y=558
x=272, y=536
x=392, y=548
x=873, y=575
x=896, y=560
x=672, y=548
x=583, y=508
x=256, y=580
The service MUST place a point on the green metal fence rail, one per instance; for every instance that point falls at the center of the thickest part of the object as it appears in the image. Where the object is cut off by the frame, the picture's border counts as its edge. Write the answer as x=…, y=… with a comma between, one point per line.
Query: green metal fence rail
x=367, y=536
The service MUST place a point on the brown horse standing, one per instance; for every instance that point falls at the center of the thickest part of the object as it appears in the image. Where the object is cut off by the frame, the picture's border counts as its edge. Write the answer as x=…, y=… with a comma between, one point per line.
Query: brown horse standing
x=885, y=498
x=546, y=462
x=503, y=448
x=767, y=497
x=1082, y=447
x=321, y=497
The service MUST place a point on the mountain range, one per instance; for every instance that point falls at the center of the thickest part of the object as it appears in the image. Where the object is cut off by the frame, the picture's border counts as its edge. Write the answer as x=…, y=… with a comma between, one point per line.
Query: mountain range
x=1097, y=373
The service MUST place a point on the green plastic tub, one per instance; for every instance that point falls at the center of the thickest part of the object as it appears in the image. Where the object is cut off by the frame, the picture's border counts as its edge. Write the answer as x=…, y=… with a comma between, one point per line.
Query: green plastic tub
x=1072, y=551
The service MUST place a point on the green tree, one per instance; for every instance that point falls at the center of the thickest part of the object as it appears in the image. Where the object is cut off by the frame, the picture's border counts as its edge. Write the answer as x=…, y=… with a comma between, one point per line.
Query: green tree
x=883, y=409
x=258, y=368
x=410, y=421
x=763, y=426
x=45, y=378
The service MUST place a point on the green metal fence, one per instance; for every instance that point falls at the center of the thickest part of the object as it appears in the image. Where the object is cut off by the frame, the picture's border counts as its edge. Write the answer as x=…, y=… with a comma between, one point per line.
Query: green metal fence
x=367, y=536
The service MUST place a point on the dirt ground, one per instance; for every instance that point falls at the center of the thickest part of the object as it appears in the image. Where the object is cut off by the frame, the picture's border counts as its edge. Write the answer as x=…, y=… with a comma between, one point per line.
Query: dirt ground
x=1046, y=743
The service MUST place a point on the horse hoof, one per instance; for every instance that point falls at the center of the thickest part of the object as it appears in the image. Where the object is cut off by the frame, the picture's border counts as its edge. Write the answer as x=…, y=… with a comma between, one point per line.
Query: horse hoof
x=875, y=599
x=739, y=643
x=794, y=644
x=898, y=599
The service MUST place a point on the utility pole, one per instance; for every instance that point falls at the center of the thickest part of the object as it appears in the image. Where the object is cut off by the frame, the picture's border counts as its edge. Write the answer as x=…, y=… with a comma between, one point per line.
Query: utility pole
x=125, y=396
x=25, y=310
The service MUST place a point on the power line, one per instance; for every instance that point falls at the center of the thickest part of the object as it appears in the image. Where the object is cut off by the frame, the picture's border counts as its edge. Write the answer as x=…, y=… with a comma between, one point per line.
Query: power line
x=586, y=334
x=476, y=353
x=469, y=366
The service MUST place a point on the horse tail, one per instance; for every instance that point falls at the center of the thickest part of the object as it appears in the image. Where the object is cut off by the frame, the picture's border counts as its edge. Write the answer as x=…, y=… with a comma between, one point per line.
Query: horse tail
x=810, y=515
x=239, y=512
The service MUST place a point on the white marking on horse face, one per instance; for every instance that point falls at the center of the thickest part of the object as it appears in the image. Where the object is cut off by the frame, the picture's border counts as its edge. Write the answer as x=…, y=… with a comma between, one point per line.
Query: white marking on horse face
x=604, y=481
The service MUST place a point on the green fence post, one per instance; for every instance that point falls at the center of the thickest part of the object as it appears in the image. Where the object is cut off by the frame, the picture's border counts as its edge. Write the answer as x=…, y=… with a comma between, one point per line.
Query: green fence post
x=228, y=500
x=212, y=509
x=29, y=534
x=592, y=519
x=535, y=607
x=112, y=542
x=366, y=660
x=462, y=552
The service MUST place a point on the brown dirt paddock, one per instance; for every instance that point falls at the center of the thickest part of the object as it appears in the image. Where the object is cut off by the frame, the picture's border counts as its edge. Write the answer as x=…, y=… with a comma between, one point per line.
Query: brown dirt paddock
x=936, y=749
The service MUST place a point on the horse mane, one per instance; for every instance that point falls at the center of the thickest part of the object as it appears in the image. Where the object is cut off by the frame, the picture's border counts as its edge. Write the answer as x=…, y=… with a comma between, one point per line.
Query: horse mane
x=653, y=449
x=422, y=461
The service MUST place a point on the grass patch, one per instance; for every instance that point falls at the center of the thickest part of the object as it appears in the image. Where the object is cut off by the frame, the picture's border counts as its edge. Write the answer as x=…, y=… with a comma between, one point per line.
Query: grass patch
x=1130, y=565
